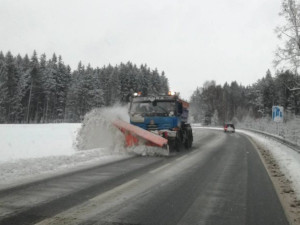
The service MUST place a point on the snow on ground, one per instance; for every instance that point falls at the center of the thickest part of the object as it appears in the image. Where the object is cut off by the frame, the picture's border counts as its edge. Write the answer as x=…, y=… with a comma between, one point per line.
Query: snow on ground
x=36, y=140
x=289, y=130
x=35, y=151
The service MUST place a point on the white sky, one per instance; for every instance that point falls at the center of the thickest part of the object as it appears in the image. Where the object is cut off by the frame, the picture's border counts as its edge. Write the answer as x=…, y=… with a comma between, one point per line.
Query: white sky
x=192, y=40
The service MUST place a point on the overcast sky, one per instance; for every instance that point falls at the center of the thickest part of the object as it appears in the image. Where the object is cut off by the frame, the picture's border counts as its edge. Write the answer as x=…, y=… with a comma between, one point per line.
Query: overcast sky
x=192, y=41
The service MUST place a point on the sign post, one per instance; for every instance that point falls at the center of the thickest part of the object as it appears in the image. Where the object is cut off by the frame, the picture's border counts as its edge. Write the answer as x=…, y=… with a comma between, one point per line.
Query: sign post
x=277, y=116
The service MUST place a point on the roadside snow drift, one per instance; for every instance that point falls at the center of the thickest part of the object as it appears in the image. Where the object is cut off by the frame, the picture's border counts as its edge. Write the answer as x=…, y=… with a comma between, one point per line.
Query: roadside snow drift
x=36, y=140
x=36, y=151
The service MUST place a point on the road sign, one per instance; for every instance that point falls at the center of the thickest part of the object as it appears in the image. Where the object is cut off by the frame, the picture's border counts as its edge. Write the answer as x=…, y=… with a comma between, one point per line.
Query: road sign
x=277, y=113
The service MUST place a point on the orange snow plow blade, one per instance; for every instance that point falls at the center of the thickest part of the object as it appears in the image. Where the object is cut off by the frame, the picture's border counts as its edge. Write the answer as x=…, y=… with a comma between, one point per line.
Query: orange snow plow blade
x=134, y=135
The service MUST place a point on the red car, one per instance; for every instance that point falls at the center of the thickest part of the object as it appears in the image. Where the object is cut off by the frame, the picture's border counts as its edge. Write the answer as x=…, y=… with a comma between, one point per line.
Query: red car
x=229, y=127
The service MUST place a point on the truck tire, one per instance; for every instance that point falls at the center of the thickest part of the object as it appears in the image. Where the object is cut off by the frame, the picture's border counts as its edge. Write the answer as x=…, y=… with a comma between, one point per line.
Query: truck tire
x=189, y=141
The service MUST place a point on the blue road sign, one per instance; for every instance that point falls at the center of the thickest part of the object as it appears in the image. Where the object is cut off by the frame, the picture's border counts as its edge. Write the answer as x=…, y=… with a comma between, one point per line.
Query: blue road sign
x=277, y=113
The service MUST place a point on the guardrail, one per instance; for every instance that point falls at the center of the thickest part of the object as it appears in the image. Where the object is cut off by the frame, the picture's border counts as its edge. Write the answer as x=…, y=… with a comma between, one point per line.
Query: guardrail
x=277, y=138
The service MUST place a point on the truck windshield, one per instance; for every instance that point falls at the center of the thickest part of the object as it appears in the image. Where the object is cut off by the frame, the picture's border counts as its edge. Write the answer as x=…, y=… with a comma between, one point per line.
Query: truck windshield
x=150, y=108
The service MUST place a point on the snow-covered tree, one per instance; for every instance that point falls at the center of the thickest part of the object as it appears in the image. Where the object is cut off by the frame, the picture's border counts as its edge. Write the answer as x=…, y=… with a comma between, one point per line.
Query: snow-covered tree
x=287, y=56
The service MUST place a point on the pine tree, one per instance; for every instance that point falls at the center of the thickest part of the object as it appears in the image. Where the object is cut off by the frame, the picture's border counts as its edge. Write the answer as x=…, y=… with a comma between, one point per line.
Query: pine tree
x=164, y=83
x=3, y=92
x=34, y=106
x=114, y=87
x=62, y=82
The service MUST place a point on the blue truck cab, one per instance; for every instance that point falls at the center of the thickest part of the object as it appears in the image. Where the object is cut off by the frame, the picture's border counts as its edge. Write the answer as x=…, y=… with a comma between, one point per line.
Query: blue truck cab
x=165, y=115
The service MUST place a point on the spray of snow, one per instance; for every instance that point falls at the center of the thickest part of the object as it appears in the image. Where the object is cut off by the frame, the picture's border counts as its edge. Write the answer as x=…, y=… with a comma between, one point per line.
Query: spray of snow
x=97, y=130
x=144, y=150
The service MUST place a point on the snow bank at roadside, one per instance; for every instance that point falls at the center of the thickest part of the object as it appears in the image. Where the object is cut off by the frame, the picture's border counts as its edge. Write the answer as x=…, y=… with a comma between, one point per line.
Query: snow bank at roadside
x=289, y=130
x=34, y=151
x=30, y=169
x=36, y=140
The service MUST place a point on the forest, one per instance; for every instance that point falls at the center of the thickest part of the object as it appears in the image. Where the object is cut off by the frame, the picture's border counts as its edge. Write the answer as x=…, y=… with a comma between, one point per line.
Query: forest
x=216, y=104
x=41, y=90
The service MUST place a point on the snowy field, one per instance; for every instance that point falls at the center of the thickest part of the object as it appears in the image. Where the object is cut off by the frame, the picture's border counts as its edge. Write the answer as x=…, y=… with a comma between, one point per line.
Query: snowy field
x=41, y=150
x=36, y=140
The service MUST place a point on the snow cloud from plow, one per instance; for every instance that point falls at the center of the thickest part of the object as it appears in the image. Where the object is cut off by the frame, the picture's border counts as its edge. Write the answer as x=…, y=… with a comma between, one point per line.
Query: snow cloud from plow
x=97, y=130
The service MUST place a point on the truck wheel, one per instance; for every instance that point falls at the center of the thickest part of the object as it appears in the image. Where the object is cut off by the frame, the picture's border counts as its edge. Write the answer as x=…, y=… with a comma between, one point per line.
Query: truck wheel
x=189, y=141
x=187, y=144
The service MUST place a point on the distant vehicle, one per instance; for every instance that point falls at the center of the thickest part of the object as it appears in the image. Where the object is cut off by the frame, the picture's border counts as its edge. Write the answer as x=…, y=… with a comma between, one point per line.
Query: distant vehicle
x=229, y=127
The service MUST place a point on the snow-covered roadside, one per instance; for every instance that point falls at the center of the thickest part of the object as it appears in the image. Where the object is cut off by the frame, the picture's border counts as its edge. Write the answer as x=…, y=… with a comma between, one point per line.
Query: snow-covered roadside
x=287, y=158
x=23, y=141
x=28, y=170
x=36, y=151
x=289, y=130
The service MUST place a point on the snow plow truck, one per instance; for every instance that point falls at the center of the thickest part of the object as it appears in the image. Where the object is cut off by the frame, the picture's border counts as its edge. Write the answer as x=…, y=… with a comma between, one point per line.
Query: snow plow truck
x=159, y=121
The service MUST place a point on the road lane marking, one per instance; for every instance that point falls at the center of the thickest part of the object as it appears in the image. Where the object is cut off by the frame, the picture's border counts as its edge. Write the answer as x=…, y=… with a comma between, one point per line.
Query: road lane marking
x=115, y=190
x=73, y=214
x=182, y=157
x=159, y=168
x=193, y=152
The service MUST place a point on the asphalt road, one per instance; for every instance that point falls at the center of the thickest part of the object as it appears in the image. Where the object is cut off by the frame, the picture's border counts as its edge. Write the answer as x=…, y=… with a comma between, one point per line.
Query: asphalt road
x=220, y=181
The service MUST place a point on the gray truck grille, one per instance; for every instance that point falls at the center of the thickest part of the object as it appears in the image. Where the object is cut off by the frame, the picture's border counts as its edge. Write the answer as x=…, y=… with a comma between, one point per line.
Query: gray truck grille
x=152, y=127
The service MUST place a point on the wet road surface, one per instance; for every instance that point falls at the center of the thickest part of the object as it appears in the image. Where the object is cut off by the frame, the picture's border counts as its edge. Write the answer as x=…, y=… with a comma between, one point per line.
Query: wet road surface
x=220, y=181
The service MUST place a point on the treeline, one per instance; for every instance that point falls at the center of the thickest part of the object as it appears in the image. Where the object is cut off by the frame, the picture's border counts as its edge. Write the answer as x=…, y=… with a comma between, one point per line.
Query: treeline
x=216, y=104
x=41, y=90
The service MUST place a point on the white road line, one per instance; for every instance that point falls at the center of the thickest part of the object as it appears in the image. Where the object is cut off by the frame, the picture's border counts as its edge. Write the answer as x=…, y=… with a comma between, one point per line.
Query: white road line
x=159, y=168
x=193, y=152
x=115, y=190
x=182, y=157
x=73, y=214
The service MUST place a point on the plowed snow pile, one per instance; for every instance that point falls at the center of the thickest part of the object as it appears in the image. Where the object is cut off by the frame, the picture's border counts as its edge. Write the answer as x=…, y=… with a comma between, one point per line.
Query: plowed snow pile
x=97, y=130
x=36, y=151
